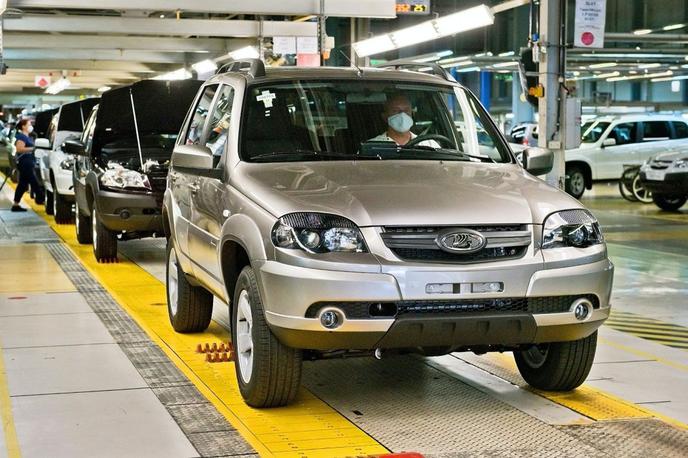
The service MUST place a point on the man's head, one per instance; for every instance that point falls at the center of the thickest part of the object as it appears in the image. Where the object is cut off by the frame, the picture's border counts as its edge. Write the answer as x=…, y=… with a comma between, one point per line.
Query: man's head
x=398, y=113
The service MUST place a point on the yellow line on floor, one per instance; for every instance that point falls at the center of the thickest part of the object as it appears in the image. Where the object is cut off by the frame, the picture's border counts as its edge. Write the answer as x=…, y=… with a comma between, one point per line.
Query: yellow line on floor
x=681, y=336
x=644, y=354
x=309, y=427
x=11, y=442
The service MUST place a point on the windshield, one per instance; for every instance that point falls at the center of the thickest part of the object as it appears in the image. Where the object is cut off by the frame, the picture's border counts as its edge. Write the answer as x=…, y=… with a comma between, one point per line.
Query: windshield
x=593, y=130
x=345, y=120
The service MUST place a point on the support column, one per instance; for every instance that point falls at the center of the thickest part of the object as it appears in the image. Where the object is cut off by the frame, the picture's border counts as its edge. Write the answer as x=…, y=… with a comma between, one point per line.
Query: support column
x=486, y=89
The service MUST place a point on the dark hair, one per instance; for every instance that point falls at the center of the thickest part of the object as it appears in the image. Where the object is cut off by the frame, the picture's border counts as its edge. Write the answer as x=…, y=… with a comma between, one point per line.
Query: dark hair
x=22, y=123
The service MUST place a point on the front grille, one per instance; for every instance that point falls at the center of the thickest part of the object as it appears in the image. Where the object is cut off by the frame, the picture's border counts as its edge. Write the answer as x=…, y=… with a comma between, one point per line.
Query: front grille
x=386, y=310
x=420, y=243
x=660, y=165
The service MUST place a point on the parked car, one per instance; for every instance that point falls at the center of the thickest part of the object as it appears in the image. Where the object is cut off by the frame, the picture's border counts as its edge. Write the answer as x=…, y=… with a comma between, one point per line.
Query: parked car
x=525, y=134
x=609, y=143
x=41, y=125
x=56, y=166
x=666, y=177
x=6, y=152
x=123, y=156
x=329, y=241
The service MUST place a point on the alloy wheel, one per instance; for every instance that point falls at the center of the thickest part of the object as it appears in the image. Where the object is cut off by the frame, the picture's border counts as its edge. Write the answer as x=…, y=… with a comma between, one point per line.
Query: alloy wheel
x=244, y=339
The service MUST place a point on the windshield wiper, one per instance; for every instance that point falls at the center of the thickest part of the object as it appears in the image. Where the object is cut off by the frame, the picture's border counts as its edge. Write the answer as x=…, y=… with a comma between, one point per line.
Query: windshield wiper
x=301, y=153
x=457, y=155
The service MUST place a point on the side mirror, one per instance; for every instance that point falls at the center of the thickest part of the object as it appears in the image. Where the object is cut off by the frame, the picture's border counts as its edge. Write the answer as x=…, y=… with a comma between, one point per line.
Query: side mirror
x=538, y=161
x=192, y=157
x=608, y=142
x=74, y=147
x=42, y=143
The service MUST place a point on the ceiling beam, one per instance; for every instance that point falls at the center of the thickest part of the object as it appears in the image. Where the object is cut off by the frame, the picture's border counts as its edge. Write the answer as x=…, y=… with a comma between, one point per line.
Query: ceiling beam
x=355, y=8
x=17, y=40
x=156, y=26
x=92, y=65
x=648, y=38
x=104, y=54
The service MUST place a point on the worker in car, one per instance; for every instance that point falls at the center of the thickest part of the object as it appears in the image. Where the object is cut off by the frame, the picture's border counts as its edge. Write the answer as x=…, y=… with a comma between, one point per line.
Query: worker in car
x=397, y=114
x=26, y=164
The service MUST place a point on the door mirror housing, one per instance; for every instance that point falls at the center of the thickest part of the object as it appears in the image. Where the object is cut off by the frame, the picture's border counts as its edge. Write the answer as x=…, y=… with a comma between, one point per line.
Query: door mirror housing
x=538, y=161
x=608, y=142
x=74, y=147
x=192, y=157
x=42, y=143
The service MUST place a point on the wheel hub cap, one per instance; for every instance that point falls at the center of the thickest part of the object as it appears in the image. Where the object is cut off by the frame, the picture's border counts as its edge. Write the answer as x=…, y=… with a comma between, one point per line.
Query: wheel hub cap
x=244, y=338
x=172, y=283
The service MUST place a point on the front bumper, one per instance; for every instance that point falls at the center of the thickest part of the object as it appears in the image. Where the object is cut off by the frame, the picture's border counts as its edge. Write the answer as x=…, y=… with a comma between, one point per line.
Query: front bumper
x=288, y=292
x=63, y=182
x=673, y=184
x=130, y=212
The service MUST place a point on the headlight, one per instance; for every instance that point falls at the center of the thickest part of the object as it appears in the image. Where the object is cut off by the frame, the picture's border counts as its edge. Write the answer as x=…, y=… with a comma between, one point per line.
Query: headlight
x=571, y=228
x=318, y=233
x=681, y=164
x=67, y=164
x=121, y=178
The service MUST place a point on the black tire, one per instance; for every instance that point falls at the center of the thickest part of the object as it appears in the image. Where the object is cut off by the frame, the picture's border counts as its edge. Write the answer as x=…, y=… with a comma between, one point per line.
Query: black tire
x=194, y=305
x=559, y=366
x=275, y=369
x=104, y=240
x=62, y=209
x=575, y=181
x=83, y=226
x=668, y=203
x=49, y=203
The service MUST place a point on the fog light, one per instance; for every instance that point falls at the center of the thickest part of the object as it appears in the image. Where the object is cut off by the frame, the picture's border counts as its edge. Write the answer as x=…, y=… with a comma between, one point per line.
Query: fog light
x=581, y=308
x=331, y=319
x=488, y=287
x=124, y=214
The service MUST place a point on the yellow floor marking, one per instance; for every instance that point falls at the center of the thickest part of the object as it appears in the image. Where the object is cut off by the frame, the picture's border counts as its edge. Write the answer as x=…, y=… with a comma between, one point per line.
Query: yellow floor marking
x=11, y=442
x=649, y=330
x=30, y=268
x=309, y=427
x=644, y=354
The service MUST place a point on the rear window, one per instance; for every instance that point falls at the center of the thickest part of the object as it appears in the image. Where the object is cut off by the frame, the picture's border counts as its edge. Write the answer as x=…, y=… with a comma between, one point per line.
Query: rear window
x=681, y=129
x=656, y=131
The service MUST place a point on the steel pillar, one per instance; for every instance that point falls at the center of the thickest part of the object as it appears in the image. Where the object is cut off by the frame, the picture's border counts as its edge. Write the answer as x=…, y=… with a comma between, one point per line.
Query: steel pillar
x=486, y=89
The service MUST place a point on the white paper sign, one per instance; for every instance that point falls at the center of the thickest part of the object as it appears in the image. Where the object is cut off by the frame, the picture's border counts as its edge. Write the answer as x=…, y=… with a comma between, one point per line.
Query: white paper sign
x=589, y=26
x=284, y=45
x=307, y=45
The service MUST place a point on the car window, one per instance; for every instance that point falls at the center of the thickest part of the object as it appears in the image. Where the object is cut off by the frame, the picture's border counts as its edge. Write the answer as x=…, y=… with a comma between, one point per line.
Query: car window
x=87, y=134
x=624, y=133
x=681, y=129
x=219, y=121
x=200, y=114
x=592, y=131
x=655, y=131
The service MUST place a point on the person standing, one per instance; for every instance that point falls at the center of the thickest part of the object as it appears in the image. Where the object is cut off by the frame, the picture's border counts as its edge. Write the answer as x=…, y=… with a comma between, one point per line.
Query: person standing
x=26, y=164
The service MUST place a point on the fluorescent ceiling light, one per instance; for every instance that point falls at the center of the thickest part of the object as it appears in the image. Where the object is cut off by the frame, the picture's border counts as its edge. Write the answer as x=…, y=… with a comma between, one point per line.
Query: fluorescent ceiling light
x=58, y=86
x=637, y=77
x=435, y=56
x=642, y=31
x=469, y=69
x=673, y=26
x=205, y=66
x=506, y=54
x=607, y=75
x=104, y=88
x=181, y=74
x=461, y=21
x=670, y=78
x=506, y=64
x=603, y=65
x=454, y=59
x=248, y=52
x=649, y=65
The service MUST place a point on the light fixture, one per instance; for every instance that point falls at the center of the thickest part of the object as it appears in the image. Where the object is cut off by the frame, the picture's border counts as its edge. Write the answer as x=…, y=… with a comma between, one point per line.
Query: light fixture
x=468, y=69
x=162, y=16
x=607, y=75
x=670, y=78
x=642, y=31
x=461, y=21
x=435, y=56
x=603, y=65
x=205, y=66
x=673, y=26
x=506, y=54
x=506, y=64
x=454, y=59
x=58, y=86
x=636, y=77
x=655, y=65
x=248, y=52
x=181, y=74
x=104, y=88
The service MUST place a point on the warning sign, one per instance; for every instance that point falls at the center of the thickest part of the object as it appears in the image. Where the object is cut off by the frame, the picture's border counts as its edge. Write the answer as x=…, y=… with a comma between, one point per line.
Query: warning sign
x=589, y=26
x=41, y=81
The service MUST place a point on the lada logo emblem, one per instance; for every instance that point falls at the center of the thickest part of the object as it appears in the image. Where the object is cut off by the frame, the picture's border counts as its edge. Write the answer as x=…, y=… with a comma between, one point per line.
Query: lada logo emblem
x=461, y=241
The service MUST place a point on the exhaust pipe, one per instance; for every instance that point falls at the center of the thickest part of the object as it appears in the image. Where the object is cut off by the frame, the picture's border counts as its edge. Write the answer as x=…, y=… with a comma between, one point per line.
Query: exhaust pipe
x=582, y=309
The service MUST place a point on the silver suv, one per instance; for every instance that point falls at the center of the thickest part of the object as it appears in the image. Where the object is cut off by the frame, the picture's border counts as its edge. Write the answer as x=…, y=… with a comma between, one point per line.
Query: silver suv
x=343, y=211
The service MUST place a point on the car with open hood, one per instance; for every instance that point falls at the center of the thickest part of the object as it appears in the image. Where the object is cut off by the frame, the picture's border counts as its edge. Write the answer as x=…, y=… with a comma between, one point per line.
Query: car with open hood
x=666, y=177
x=347, y=211
x=123, y=156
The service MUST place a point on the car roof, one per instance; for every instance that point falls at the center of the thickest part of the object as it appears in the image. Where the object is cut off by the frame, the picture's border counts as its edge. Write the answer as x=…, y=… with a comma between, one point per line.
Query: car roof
x=638, y=118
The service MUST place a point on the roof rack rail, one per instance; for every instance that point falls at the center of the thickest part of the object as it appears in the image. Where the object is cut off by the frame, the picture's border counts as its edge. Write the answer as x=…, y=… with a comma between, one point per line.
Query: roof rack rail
x=254, y=67
x=410, y=65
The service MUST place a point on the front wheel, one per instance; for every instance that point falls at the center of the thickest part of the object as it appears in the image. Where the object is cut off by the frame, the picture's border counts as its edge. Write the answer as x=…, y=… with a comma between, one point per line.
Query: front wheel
x=268, y=372
x=49, y=209
x=668, y=203
x=104, y=240
x=575, y=182
x=83, y=226
x=558, y=366
x=62, y=209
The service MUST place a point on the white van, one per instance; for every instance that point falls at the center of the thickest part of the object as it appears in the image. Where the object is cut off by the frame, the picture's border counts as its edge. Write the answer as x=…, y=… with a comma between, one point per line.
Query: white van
x=608, y=143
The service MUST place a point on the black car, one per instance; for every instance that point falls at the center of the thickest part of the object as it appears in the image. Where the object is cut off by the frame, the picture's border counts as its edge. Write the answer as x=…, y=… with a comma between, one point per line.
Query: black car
x=123, y=156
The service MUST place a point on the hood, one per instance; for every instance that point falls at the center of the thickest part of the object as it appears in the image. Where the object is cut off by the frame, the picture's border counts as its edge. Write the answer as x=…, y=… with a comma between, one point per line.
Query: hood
x=403, y=193
x=672, y=155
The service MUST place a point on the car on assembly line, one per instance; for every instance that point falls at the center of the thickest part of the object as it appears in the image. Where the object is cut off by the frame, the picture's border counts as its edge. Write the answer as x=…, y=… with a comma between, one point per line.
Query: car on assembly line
x=123, y=155
x=328, y=238
x=609, y=143
x=55, y=165
x=666, y=177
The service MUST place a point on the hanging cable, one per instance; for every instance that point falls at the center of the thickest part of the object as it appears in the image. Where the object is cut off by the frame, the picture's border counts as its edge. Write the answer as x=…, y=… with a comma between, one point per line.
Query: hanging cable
x=136, y=128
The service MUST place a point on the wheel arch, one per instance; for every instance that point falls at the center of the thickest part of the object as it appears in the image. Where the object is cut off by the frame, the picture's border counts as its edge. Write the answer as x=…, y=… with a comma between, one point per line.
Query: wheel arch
x=587, y=171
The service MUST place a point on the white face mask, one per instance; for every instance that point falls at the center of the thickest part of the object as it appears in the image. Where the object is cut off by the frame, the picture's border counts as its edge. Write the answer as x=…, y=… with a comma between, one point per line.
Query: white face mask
x=401, y=122
x=30, y=128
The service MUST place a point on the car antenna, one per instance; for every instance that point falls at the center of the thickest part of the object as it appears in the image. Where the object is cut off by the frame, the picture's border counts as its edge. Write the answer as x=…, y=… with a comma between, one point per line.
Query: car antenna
x=360, y=70
x=136, y=128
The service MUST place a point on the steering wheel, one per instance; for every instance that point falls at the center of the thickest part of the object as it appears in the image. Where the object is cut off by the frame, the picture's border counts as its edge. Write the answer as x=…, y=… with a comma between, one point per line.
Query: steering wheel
x=425, y=137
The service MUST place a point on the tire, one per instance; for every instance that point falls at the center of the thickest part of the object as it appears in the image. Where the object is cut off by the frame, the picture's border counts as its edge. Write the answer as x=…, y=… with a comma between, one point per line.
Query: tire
x=62, y=209
x=49, y=210
x=575, y=181
x=639, y=192
x=83, y=226
x=190, y=307
x=559, y=366
x=268, y=372
x=104, y=240
x=668, y=203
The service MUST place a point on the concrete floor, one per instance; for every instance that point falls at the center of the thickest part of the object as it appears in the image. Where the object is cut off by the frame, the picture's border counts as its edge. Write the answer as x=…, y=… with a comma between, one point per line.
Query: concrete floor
x=71, y=385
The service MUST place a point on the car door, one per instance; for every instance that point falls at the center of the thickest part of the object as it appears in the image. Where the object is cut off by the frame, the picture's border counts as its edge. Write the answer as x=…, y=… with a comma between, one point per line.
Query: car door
x=82, y=164
x=207, y=209
x=656, y=137
x=184, y=182
x=610, y=159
